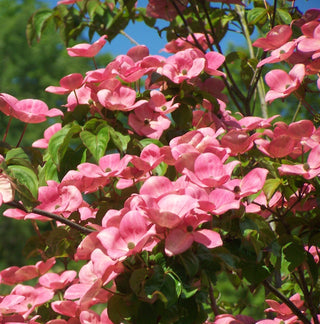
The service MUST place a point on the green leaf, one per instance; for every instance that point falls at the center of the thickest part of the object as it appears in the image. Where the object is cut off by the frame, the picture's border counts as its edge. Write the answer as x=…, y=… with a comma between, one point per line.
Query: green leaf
x=171, y=289
x=79, y=114
x=313, y=267
x=182, y=117
x=285, y=17
x=295, y=254
x=39, y=19
x=96, y=144
x=27, y=156
x=48, y=172
x=190, y=263
x=255, y=272
x=160, y=169
x=270, y=186
x=137, y=280
x=26, y=179
x=146, y=141
x=60, y=141
x=119, y=140
x=94, y=8
x=256, y=15
x=119, y=308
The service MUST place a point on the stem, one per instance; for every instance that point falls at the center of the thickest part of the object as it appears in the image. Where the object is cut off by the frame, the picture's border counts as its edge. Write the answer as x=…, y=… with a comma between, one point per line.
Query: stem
x=95, y=65
x=296, y=311
x=22, y=134
x=58, y=218
x=122, y=32
x=7, y=129
x=260, y=86
x=187, y=26
x=297, y=111
x=201, y=21
x=75, y=93
x=274, y=13
x=213, y=303
x=307, y=296
x=233, y=87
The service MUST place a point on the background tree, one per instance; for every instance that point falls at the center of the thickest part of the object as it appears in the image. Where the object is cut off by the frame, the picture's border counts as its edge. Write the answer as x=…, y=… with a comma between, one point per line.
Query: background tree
x=25, y=72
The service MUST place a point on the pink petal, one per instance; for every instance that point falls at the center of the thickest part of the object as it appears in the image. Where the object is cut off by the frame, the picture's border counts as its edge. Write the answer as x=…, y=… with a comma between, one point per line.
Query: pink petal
x=177, y=242
x=208, y=238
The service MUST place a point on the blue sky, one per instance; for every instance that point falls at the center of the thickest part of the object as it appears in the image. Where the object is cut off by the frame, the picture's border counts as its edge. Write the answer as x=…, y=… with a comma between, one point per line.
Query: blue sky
x=149, y=37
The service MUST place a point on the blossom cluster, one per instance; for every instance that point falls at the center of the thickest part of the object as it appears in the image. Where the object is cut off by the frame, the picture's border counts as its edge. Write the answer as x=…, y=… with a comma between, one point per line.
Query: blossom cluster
x=302, y=53
x=180, y=188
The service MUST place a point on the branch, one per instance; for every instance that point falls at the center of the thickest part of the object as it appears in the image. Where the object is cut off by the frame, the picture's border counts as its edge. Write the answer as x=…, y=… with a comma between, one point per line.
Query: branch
x=58, y=218
x=307, y=296
x=213, y=303
x=187, y=26
x=133, y=41
x=259, y=84
x=295, y=310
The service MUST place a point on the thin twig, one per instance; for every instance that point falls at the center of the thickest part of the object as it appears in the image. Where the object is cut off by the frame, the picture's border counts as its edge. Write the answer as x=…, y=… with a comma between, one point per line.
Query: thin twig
x=22, y=134
x=295, y=310
x=7, y=129
x=213, y=303
x=58, y=218
x=122, y=32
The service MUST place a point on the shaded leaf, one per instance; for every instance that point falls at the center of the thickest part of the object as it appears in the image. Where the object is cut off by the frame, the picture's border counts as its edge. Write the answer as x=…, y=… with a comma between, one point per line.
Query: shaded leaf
x=96, y=144
x=60, y=141
x=256, y=15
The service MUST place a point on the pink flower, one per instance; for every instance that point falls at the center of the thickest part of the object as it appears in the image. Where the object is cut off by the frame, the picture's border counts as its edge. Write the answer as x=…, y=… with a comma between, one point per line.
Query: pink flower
x=68, y=83
x=130, y=237
x=238, y=141
x=164, y=9
x=7, y=103
x=282, y=84
x=213, y=61
x=184, y=65
x=34, y=297
x=159, y=103
x=6, y=188
x=280, y=54
x=146, y=122
x=181, y=44
x=48, y=133
x=276, y=37
x=170, y=210
x=283, y=311
x=280, y=146
x=250, y=184
x=57, y=281
x=10, y=304
x=308, y=170
x=126, y=68
x=179, y=240
x=116, y=96
x=34, y=111
x=222, y=200
x=14, y=274
x=137, y=53
x=209, y=171
x=87, y=50
x=90, y=317
x=310, y=44
x=31, y=111
x=230, y=319
x=66, y=2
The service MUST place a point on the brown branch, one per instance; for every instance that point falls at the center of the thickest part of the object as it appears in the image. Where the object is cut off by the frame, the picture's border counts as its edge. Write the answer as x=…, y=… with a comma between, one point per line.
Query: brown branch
x=295, y=310
x=58, y=218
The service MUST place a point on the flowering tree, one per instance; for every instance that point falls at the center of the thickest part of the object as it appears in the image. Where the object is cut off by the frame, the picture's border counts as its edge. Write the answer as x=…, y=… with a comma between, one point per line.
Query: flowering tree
x=155, y=191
